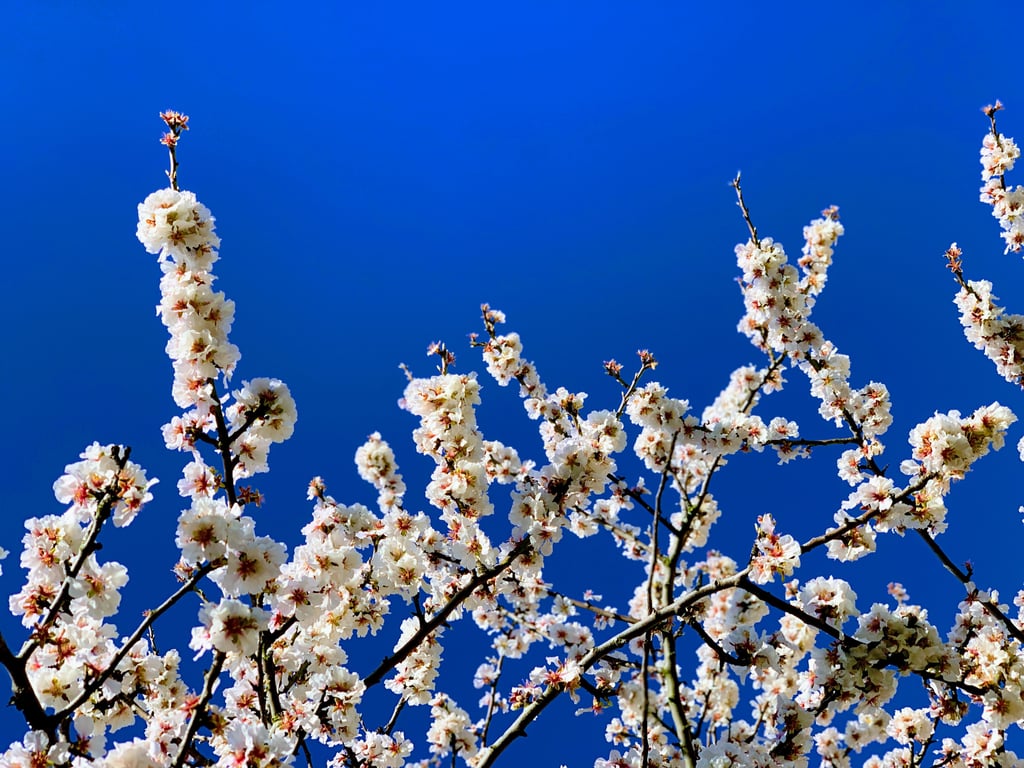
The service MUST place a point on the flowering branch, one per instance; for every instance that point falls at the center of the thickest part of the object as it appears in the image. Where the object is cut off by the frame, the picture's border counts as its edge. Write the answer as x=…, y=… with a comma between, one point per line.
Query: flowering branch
x=678, y=608
x=151, y=616
x=177, y=123
x=439, y=618
x=106, y=499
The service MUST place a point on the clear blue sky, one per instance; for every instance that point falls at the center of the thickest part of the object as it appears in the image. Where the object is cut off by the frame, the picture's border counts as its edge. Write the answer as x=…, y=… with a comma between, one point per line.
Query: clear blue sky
x=379, y=170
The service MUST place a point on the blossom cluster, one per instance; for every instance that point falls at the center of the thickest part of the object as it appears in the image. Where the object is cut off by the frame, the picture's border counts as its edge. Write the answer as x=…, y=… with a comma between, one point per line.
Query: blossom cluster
x=177, y=227
x=779, y=301
x=69, y=594
x=993, y=330
x=998, y=155
x=579, y=449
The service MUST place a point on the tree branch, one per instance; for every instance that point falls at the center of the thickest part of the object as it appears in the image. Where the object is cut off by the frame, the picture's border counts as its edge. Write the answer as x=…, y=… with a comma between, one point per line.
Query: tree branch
x=199, y=708
x=990, y=606
x=439, y=618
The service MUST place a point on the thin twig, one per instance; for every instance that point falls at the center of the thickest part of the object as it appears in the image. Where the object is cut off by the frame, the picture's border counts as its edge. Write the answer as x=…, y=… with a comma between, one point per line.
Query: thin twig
x=746, y=213
x=990, y=606
x=645, y=736
x=209, y=684
x=492, y=700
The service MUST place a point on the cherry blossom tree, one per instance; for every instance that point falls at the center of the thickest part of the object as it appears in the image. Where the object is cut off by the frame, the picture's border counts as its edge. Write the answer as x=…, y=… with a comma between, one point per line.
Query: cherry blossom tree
x=708, y=662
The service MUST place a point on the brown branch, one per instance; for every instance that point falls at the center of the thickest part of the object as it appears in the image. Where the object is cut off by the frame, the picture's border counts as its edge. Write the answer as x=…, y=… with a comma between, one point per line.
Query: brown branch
x=746, y=212
x=723, y=654
x=645, y=737
x=631, y=388
x=857, y=522
x=639, y=499
x=393, y=720
x=442, y=615
x=583, y=604
x=777, y=602
x=199, y=708
x=224, y=445
x=24, y=696
x=675, y=703
x=990, y=606
x=851, y=440
x=492, y=700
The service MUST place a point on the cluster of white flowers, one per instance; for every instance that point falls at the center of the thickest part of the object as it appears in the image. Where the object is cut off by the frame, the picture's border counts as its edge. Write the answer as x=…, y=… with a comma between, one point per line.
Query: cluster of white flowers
x=944, y=449
x=262, y=413
x=777, y=308
x=503, y=355
x=998, y=333
x=451, y=730
x=104, y=482
x=779, y=302
x=68, y=594
x=416, y=675
x=991, y=658
x=376, y=464
x=669, y=436
x=177, y=227
x=448, y=434
x=376, y=750
x=946, y=445
x=819, y=237
x=579, y=448
x=231, y=626
x=982, y=745
x=558, y=495
x=993, y=330
x=998, y=154
x=774, y=553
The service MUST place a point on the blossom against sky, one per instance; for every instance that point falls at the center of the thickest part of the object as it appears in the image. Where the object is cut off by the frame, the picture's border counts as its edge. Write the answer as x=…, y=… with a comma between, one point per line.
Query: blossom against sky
x=378, y=173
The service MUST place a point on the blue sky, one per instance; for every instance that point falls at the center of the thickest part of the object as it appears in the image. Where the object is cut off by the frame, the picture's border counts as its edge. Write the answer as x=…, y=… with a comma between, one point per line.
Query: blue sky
x=378, y=171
